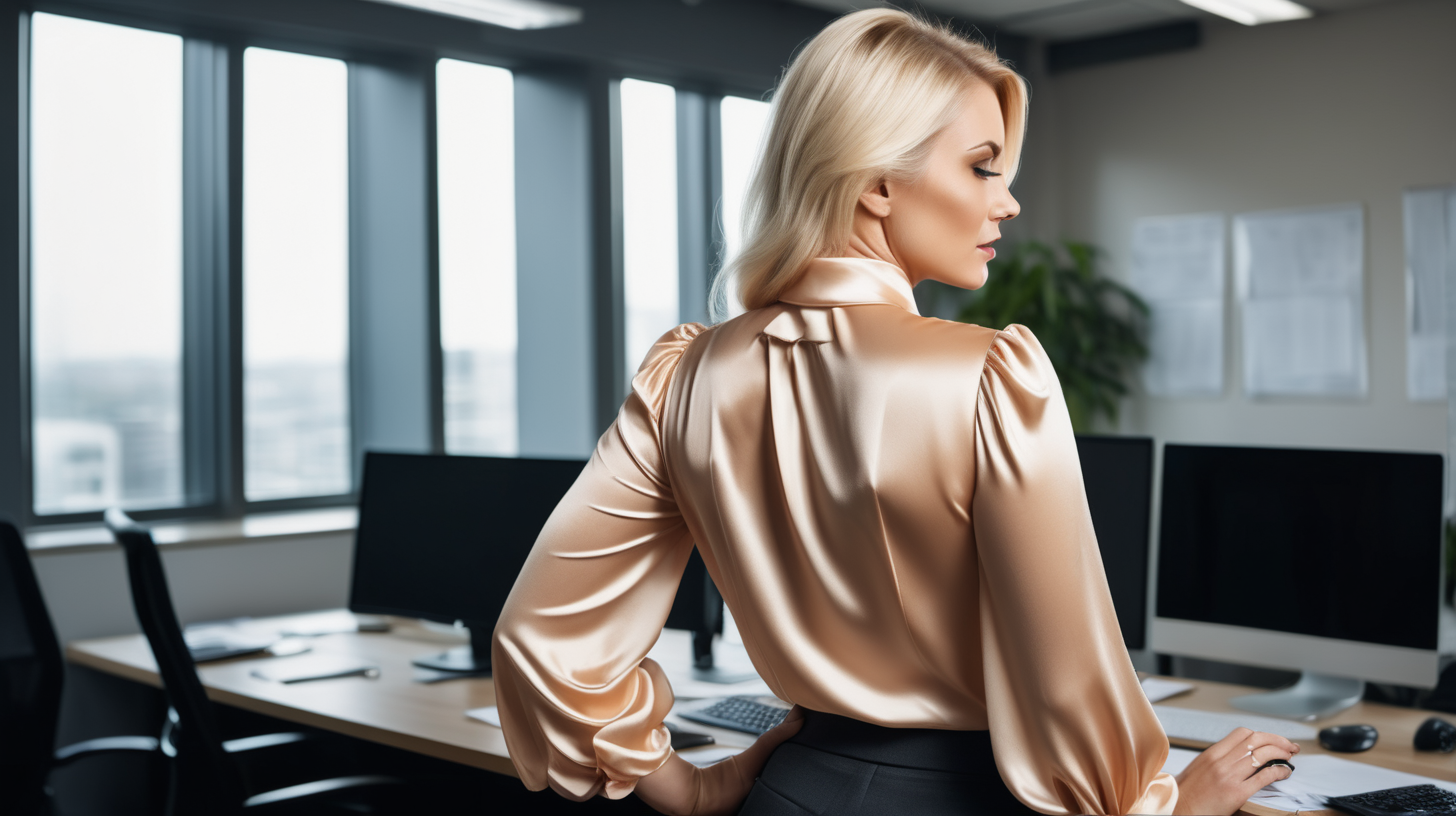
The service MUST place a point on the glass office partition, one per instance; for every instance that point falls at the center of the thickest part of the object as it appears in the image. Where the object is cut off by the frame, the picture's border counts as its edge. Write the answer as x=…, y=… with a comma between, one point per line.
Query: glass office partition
x=295, y=275
x=474, y=106
x=106, y=265
x=649, y=214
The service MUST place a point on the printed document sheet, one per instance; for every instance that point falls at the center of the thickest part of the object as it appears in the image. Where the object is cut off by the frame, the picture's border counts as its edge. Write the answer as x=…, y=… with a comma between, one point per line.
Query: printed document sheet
x=1178, y=268
x=1300, y=279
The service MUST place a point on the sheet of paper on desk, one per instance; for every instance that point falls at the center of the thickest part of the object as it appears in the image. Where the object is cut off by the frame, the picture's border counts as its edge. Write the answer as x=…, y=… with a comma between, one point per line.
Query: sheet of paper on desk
x=1158, y=689
x=490, y=715
x=1178, y=759
x=1319, y=776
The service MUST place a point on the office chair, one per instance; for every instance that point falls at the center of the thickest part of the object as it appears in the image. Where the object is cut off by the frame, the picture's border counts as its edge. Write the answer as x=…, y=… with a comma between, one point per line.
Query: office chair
x=207, y=778
x=31, y=675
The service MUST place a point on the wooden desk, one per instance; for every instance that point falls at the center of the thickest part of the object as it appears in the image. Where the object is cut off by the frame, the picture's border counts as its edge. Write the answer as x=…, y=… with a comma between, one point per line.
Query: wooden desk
x=430, y=719
x=1397, y=727
x=1394, y=750
x=391, y=709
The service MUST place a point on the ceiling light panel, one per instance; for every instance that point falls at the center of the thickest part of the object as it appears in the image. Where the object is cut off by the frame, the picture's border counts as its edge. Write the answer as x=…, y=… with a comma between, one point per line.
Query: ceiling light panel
x=517, y=14
x=1253, y=12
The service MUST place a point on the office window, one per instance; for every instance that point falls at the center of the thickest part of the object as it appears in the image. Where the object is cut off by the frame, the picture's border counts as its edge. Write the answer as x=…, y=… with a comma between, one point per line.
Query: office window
x=649, y=214
x=106, y=265
x=744, y=121
x=295, y=275
x=475, y=110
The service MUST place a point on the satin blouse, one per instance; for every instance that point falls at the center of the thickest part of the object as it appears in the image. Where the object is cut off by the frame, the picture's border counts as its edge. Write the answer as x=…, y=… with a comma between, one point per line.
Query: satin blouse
x=893, y=509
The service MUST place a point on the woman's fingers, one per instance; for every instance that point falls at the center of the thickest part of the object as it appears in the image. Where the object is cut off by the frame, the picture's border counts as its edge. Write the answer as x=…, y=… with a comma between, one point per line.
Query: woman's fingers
x=1243, y=740
x=1263, y=754
x=1236, y=741
x=1270, y=775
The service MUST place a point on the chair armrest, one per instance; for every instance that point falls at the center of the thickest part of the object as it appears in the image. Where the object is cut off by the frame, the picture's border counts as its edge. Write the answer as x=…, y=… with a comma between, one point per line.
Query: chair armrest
x=238, y=746
x=308, y=790
x=104, y=745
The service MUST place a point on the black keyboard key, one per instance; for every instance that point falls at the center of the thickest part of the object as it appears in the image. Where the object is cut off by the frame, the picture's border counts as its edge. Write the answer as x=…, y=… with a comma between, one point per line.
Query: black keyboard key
x=1414, y=800
x=740, y=714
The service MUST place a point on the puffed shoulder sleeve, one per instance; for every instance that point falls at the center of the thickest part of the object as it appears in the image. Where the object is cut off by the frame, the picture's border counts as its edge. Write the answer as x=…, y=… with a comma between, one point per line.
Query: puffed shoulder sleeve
x=581, y=705
x=1070, y=725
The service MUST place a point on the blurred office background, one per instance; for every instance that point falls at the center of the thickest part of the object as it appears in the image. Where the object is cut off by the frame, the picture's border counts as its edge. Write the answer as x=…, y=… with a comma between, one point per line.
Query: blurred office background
x=256, y=238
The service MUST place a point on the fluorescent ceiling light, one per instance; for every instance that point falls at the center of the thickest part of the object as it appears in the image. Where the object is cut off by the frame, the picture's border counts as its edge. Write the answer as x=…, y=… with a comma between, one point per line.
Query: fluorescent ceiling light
x=517, y=14
x=1253, y=12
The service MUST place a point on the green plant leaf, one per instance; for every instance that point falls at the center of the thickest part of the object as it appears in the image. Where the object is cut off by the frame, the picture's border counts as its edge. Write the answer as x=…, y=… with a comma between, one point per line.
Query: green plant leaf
x=1093, y=328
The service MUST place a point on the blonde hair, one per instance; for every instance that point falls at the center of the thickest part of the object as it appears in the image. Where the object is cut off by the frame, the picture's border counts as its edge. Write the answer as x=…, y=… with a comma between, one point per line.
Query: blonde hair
x=861, y=103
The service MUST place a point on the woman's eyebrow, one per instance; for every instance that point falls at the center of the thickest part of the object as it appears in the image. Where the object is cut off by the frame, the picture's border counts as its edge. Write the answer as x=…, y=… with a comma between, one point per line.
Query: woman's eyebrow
x=995, y=148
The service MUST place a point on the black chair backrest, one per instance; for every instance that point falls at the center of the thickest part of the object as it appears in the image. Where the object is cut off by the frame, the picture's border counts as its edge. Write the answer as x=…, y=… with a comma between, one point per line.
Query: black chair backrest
x=205, y=778
x=31, y=674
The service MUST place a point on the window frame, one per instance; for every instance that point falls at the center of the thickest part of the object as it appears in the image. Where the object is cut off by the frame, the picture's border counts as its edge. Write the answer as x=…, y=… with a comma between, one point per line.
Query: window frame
x=214, y=38
x=212, y=272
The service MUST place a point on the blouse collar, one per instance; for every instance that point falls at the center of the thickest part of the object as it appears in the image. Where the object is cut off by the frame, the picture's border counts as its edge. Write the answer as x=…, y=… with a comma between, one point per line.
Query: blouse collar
x=849, y=282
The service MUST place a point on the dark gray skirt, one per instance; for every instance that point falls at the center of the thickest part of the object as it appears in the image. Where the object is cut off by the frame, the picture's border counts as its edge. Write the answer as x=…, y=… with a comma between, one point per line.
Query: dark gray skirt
x=837, y=765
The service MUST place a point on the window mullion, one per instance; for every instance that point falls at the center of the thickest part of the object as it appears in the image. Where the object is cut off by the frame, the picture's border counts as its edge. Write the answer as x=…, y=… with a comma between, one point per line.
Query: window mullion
x=609, y=312
x=15, y=454
x=208, y=327
x=695, y=207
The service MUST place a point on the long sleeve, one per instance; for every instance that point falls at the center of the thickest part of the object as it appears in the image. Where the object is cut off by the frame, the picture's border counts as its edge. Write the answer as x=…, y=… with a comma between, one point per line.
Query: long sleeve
x=1072, y=729
x=581, y=705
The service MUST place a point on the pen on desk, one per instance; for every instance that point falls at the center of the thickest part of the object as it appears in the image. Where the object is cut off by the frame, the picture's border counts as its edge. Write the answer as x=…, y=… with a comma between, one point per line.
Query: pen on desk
x=370, y=672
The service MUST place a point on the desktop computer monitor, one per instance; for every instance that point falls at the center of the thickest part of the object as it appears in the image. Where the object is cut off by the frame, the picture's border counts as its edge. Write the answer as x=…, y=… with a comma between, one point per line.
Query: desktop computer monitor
x=444, y=537
x=1321, y=561
x=1118, y=474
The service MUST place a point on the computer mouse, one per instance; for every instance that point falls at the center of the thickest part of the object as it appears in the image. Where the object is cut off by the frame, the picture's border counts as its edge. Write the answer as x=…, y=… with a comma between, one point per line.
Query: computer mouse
x=1348, y=739
x=1435, y=734
x=1271, y=763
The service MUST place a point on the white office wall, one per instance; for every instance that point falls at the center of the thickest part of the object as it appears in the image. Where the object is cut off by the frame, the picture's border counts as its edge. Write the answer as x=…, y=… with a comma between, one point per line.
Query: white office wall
x=87, y=594
x=1353, y=106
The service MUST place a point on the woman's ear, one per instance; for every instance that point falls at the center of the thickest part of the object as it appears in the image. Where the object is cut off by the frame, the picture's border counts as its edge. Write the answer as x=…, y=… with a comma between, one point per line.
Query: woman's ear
x=877, y=200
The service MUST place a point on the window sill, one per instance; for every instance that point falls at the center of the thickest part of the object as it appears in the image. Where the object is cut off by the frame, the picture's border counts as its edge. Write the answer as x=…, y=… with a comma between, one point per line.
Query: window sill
x=254, y=528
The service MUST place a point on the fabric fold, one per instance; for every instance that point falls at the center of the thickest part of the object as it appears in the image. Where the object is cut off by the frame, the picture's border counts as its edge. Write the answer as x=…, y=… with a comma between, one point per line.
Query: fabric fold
x=581, y=706
x=892, y=508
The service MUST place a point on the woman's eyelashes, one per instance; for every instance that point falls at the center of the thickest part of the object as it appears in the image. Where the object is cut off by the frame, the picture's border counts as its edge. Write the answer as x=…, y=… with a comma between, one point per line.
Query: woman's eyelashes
x=984, y=173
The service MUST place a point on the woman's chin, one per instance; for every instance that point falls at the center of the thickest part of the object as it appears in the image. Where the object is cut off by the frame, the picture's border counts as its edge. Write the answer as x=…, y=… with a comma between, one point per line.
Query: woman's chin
x=973, y=278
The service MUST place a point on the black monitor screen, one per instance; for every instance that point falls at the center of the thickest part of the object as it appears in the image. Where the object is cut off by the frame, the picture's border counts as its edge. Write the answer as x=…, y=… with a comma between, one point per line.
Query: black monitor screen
x=1118, y=474
x=1336, y=544
x=443, y=537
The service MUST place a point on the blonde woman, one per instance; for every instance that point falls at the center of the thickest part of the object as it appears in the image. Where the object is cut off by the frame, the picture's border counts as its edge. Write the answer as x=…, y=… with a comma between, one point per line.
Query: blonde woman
x=891, y=505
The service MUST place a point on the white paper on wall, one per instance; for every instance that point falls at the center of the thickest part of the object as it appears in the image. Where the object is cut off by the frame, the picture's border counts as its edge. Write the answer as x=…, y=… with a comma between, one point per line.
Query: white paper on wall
x=1300, y=279
x=1178, y=268
x=1427, y=258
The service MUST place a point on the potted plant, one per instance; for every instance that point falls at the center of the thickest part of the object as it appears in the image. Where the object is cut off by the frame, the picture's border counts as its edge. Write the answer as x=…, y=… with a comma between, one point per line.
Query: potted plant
x=1092, y=327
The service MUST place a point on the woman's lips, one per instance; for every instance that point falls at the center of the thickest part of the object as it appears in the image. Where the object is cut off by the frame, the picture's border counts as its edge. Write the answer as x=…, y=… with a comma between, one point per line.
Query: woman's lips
x=989, y=250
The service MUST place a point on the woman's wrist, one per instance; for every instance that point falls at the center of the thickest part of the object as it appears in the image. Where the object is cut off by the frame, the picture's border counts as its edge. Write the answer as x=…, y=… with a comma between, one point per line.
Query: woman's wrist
x=673, y=788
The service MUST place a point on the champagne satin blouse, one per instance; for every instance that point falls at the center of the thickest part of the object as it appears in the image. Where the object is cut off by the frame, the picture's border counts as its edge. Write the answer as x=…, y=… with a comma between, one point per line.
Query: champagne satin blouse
x=893, y=509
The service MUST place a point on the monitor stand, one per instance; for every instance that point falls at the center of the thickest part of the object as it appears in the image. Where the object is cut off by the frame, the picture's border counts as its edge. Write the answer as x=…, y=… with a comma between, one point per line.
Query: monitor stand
x=1313, y=697
x=472, y=659
x=703, y=668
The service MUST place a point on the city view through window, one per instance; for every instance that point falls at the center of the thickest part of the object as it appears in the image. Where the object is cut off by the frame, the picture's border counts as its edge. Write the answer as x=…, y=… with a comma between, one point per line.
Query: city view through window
x=295, y=275
x=106, y=273
x=477, y=256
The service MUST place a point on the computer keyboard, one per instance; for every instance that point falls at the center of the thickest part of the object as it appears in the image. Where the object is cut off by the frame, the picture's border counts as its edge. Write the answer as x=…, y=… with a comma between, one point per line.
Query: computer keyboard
x=745, y=714
x=1209, y=726
x=1415, y=800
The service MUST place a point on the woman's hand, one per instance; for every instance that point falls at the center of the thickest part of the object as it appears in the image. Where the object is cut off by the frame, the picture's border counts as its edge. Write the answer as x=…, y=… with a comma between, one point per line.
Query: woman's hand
x=681, y=789
x=1224, y=776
